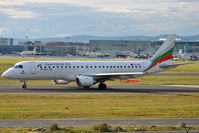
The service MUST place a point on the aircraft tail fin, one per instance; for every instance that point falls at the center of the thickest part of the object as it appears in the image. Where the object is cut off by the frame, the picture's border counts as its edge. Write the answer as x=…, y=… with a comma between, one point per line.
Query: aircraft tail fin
x=35, y=49
x=164, y=53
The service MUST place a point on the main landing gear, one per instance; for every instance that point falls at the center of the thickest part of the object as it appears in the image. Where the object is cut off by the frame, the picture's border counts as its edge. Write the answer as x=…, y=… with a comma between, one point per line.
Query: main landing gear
x=24, y=86
x=102, y=86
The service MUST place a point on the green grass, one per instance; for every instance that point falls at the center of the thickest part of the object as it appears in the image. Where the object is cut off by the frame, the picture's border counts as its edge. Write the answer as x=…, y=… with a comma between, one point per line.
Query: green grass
x=188, y=68
x=170, y=80
x=19, y=106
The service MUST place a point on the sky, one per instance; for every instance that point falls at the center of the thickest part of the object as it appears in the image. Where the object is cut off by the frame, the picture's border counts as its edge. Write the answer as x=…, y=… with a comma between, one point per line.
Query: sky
x=61, y=18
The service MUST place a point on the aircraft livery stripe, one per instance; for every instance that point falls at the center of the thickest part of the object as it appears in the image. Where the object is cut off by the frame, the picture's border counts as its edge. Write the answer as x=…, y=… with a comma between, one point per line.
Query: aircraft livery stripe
x=163, y=57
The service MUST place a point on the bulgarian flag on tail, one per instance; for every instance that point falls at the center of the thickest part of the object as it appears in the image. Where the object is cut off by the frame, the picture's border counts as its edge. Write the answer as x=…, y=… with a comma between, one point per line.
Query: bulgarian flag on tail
x=164, y=57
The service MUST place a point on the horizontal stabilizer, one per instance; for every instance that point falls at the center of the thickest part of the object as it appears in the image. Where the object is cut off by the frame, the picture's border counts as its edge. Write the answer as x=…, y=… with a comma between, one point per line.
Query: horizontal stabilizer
x=172, y=65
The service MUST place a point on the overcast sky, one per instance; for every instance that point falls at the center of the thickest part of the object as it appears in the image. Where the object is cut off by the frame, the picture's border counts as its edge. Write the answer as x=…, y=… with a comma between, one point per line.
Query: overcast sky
x=60, y=18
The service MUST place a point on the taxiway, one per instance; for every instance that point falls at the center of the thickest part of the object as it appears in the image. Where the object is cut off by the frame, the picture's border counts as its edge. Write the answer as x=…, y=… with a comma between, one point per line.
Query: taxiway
x=61, y=89
x=86, y=122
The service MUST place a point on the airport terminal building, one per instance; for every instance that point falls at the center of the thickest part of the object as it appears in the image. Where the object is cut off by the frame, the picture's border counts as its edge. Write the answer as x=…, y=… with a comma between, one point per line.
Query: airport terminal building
x=112, y=48
x=146, y=47
x=6, y=41
x=6, y=45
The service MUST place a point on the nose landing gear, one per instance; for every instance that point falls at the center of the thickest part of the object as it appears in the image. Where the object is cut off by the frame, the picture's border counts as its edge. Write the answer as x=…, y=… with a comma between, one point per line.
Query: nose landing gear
x=24, y=86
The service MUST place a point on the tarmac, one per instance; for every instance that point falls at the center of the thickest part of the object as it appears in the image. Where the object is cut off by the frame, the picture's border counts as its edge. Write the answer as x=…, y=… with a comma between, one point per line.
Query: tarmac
x=86, y=122
x=67, y=89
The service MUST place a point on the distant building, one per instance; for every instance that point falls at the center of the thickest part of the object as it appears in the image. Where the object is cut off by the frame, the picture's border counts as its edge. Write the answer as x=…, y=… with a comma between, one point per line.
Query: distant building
x=122, y=46
x=188, y=47
x=63, y=48
x=55, y=48
x=10, y=49
x=142, y=47
x=98, y=48
x=26, y=43
x=6, y=41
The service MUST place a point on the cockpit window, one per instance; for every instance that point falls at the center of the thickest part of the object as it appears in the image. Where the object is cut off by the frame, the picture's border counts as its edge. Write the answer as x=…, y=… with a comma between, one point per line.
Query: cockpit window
x=18, y=66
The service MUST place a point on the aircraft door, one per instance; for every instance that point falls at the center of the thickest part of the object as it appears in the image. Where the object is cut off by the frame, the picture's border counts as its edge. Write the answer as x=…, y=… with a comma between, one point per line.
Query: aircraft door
x=144, y=64
x=33, y=67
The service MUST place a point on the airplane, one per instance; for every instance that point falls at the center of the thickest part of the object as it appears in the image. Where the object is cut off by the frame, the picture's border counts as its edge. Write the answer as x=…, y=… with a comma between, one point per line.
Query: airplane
x=34, y=52
x=88, y=73
x=180, y=56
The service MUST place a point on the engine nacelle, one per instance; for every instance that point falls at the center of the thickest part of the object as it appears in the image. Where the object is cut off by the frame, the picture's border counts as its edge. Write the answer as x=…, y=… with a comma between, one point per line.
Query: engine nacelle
x=84, y=81
x=59, y=81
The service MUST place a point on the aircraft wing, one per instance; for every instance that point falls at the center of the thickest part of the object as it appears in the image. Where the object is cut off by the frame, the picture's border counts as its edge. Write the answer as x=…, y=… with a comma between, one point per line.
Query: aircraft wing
x=116, y=75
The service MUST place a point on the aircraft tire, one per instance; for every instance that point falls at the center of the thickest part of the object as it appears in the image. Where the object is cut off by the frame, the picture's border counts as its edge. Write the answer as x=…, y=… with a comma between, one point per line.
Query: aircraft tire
x=86, y=87
x=102, y=86
x=24, y=86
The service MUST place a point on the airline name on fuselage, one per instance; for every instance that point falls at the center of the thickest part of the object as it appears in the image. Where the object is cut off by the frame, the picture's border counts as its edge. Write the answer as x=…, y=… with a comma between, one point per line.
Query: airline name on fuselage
x=51, y=65
x=57, y=64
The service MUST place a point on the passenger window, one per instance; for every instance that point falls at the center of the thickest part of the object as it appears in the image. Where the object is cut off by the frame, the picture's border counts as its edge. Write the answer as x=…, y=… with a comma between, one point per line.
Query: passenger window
x=65, y=66
x=99, y=66
x=95, y=66
x=57, y=66
x=139, y=66
x=69, y=66
x=124, y=66
x=86, y=66
x=117, y=66
x=90, y=66
x=113, y=66
x=120, y=66
x=44, y=66
x=128, y=66
x=48, y=66
x=103, y=66
x=132, y=66
x=82, y=66
x=73, y=66
x=61, y=66
x=77, y=66
x=106, y=66
x=135, y=66
x=110, y=66
x=53, y=66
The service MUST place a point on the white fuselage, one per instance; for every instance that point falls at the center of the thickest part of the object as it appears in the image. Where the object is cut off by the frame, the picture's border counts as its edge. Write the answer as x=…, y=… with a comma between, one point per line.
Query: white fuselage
x=27, y=53
x=68, y=70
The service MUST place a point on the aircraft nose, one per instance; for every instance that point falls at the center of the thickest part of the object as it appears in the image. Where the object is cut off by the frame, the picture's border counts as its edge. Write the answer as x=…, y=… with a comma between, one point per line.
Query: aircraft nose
x=6, y=74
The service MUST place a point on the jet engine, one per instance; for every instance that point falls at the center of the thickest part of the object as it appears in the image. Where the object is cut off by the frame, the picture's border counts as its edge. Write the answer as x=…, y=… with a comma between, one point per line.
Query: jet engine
x=84, y=81
x=59, y=81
